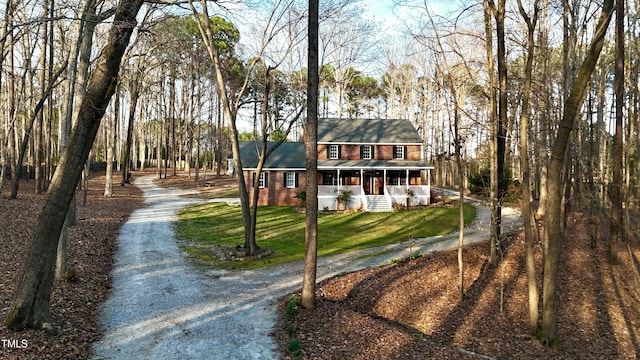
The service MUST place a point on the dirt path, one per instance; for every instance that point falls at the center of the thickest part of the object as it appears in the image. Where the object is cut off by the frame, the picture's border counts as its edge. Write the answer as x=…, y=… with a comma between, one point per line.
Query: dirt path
x=163, y=308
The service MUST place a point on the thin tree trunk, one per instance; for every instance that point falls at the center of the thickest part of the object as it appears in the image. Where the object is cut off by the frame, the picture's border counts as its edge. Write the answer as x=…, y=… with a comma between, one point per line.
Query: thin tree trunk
x=172, y=126
x=39, y=125
x=616, y=186
x=493, y=113
x=25, y=141
x=524, y=167
x=111, y=140
x=135, y=94
x=458, y=156
x=502, y=119
x=311, y=153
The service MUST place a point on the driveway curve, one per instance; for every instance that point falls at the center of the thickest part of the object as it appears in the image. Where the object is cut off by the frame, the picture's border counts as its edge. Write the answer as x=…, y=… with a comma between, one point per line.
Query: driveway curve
x=161, y=307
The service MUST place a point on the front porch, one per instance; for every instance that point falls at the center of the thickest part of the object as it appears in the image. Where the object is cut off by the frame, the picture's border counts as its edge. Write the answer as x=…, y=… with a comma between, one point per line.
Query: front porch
x=373, y=189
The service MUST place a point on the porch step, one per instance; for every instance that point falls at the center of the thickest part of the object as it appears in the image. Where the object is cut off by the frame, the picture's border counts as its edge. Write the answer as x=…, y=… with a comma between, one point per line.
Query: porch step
x=378, y=203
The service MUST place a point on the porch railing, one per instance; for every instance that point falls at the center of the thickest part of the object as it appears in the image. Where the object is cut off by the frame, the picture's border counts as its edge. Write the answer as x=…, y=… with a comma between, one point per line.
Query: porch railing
x=328, y=194
x=416, y=194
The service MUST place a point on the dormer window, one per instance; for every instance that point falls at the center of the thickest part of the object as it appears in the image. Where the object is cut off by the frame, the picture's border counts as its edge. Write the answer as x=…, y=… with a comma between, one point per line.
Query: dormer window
x=399, y=152
x=366, y=152
x=334, y=152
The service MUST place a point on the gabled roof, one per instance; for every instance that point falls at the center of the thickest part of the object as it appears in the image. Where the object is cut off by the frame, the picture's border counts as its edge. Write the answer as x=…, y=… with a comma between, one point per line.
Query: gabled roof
x=289, y=155
x=367, y=131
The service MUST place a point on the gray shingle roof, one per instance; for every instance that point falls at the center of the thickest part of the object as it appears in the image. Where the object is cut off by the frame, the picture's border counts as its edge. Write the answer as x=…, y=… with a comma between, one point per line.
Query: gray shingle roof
x=289, y=155
x=367, y=131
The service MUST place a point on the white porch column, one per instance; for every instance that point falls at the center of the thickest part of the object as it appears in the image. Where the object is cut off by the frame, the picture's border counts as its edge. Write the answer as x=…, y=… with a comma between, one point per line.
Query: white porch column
x=429, y=184
x=407, y=171
x=339, y=178
x=384, y=180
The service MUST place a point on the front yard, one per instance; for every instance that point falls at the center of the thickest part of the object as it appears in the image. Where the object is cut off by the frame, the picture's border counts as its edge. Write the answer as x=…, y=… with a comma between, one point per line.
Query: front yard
x=206, y=229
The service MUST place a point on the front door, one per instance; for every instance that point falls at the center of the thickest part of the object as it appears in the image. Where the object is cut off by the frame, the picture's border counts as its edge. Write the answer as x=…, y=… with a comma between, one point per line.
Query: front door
x=371, y=183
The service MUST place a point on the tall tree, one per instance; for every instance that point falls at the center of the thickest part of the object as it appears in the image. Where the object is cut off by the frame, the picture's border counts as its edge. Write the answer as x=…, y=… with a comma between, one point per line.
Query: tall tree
x=488, y=7
x=500, y=134
x=556, y=175
x=30, y=306
x=616, y=188
x=311, y=153
x=232, y=102
x=457, y=98
x=135, y=95
x=531, y=23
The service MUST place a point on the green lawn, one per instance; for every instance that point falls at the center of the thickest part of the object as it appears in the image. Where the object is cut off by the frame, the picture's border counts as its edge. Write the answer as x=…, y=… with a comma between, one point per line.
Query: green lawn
x=281, y=229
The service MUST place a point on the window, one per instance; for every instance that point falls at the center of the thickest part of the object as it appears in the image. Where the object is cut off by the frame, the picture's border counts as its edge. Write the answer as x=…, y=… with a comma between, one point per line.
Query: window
x=366, y=152
x=263, y=181
x=398, y=152
x=397, y=179
x=334, y=152
x=291, y=180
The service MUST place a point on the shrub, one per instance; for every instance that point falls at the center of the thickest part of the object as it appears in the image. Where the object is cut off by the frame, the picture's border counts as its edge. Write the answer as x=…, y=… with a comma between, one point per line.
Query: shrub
x=480, y=183
x=302, y=197
x=344, y=196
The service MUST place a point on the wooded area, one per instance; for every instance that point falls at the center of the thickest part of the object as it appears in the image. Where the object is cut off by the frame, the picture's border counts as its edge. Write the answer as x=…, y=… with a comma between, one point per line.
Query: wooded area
x=542, y=96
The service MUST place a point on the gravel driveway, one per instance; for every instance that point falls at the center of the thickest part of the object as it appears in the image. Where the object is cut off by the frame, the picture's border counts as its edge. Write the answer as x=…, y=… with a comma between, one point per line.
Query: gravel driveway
x=161, y=307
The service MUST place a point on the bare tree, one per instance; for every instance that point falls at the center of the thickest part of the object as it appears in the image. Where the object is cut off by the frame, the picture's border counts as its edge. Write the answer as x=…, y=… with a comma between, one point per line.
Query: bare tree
x=311, y=153
x=556, y=175
x=279, y=21
x=531, y=23
x=30, y=306
x=616, y=187
x=499, y=136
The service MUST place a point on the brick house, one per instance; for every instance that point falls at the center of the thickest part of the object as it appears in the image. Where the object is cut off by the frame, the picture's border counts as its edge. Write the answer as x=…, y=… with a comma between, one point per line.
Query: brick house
x=378, y=161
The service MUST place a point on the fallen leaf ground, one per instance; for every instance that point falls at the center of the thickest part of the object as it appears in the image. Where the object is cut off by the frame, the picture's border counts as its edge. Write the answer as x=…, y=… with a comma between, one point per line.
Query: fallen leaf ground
x=412, y=310
x=74, y=304
x=409, y=310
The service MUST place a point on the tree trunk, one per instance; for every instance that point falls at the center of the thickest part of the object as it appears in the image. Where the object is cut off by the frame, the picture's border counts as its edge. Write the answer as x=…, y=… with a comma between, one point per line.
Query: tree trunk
x=39, y=125
x=502, y=120
x=9, y=155
x=219, y=133
x=616, y=187
x=555, y=179
x=493, y=112
x=230, y=114
x=524, y=167
x=311, y=153
x=62, y=255
x=30, y=306
x=111, y=143
x=25, y=141
x=458, y=146
x=126, y=168
x=172, y=125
